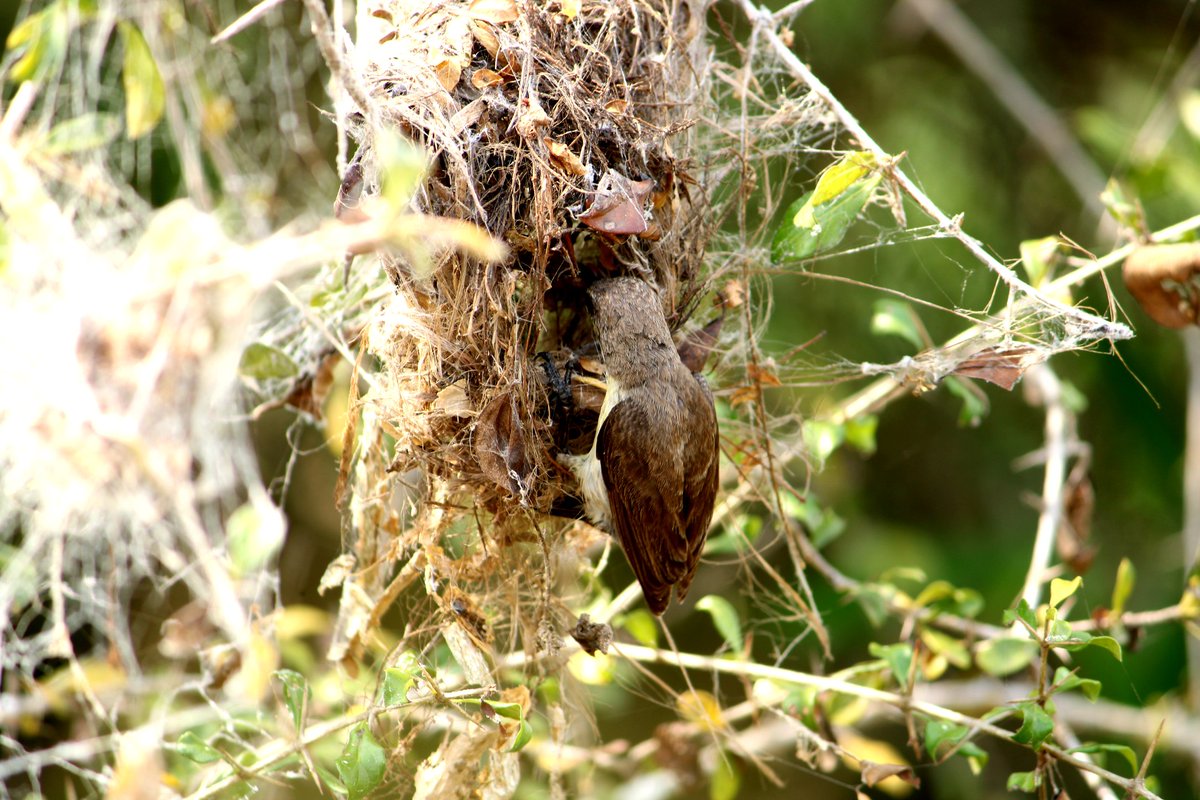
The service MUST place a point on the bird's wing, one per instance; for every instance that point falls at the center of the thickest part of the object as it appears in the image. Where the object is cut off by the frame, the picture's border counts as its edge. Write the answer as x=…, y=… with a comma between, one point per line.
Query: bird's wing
x=645, y=493
x=700, y=479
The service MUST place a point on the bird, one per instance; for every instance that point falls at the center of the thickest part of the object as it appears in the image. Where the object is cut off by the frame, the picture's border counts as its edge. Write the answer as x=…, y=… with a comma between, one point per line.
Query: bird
x=651, y=475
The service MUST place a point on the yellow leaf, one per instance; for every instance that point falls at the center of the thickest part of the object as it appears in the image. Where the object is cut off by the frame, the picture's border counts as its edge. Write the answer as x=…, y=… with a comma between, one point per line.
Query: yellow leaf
x=570, y=8
x=260, y=659
x=145, y=97
x=448, y=73
x=594, y=670
x=875, y=752
x=836, y=179
x=496, y=12
x=701, y=708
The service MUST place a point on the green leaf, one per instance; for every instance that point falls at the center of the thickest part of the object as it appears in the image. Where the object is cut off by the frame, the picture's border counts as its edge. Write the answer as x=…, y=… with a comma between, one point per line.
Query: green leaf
x=946, y=646
x=145, y=96
x=822, y=438
x=873, y=603
x=974, y=405
x=1036, y=725
x=192, y=747
x=403, y=166
x=43, y=38
x=1061, y=589
x=253, y=537
x=823, y=524
x=1124, y=208
x=898, y=658
x=522, y=738
x=1038, y=256
x=1106, y=643
x=511, y=711
x=296, y=695
x=362, y=762
x=85, y=132
x=1123, y=587
x=818, y=221
x=726, y=779
x=725, y=620
x=1023, y=782
x=942, y=736
x=860, y=433
x=897, y=318
x=399, y=679
x=1092, y=748
x=1001, y=657
x=641, y=626
x=1065, y=680
x=1022, y=612
x=262, y=362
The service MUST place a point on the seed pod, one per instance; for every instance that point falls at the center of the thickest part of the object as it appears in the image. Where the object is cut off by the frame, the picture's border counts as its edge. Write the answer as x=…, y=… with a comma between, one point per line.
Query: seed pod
x=1165, y=280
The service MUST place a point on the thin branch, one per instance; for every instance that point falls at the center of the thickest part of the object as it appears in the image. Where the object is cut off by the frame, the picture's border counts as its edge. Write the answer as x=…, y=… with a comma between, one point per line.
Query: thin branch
x=1058, y=428
x=1191, y=496
x=651, y=655
x=1088, y=325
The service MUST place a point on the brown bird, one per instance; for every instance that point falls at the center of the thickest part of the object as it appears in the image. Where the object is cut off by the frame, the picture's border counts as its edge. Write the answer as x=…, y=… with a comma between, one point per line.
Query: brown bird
x=651, y=476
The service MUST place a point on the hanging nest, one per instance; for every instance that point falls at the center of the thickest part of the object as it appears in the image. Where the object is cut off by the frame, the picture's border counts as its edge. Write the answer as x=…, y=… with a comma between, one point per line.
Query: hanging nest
x=566, y=132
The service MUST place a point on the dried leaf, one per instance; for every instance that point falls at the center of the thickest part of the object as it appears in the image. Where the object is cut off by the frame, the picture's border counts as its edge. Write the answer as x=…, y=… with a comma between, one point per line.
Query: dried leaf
x=448, y=72
x=487, y=38
x=531, y=117
x=486, y=78
x=468, y=655
x=1002, y=366
x=496, y=12
x=1165, y=280
x=874, y=774
x=564, y=158
x=452, y=400
x=616, y=106
x=500, y=445
x=763, y=374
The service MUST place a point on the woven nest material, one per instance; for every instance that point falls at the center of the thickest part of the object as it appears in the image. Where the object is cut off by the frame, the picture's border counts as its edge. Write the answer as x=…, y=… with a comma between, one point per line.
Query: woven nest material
x=566, y=132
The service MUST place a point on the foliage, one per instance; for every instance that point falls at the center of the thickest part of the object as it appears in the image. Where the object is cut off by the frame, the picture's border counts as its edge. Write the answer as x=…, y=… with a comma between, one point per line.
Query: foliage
x=447, y=667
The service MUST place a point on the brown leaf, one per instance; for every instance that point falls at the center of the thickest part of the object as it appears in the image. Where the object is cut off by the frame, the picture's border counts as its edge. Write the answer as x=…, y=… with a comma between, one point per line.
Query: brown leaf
x=1002, y=366
x=500, y=447
x=873, y=774
x=564, y=158
x=486, y=37
x=496, y=12
x=616, y=106
x=743, y=394
x=531, y=117
x=448, y=72
x=763, y=375
x=452, y=400
x=733, y=294
x=486, y=78
x=1165, y=280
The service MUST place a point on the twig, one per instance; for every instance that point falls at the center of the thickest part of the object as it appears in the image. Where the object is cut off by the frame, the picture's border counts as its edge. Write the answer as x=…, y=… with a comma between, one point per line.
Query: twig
x=1041, y=121
x=651, y=655
x=1191, y=496
x=1088, y=325
x=1058, y=427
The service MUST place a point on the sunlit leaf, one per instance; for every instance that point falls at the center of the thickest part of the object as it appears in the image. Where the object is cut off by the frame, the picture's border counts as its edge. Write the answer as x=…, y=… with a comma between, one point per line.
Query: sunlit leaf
x=194, y=748
x=701, y=708
x=296, y=695
x=145, y=96
x=254, y=535
x=897, y=318
x=1061, y=589
x=898, y=658
x=1106, y=643
x=974, y=405
x=725, y=620
x=726, y=779
x=1023, y=782
x=1002, y=657
x=860, y=433
x=822, y=438
x=941, y=736
x=85, y=132
x=819, y=220
x=947, y=646
x=1123, y=586
x=642, y=626
x=262, y=362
